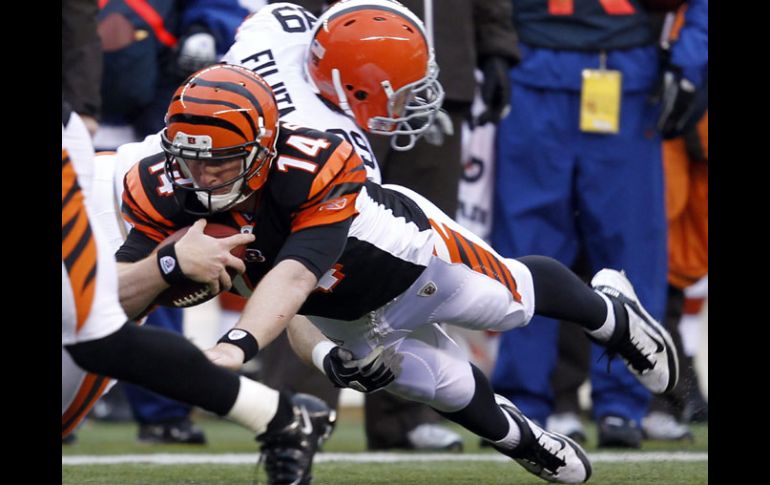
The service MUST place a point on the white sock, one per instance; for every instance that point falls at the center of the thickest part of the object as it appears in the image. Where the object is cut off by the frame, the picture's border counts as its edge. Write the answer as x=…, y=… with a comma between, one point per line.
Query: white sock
x=604, y=332
x=255, y=405
x=512, y=439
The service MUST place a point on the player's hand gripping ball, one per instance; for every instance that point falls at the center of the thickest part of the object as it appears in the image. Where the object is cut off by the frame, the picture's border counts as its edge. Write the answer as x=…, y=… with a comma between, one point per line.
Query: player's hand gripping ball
x=194, y=293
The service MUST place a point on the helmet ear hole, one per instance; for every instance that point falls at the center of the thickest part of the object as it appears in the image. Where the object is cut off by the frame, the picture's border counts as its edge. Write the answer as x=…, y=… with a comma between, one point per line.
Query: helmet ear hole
x=361, y=95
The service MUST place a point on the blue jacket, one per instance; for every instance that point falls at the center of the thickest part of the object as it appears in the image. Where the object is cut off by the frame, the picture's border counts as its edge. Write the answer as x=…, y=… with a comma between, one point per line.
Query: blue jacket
x=556, y=48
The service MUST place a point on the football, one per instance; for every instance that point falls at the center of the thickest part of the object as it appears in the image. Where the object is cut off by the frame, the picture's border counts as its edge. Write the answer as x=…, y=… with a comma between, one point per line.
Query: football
x=193, y=293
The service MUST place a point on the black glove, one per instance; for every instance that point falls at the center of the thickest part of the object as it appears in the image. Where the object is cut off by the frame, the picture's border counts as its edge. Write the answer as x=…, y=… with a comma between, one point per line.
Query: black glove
x=376, y=370
x=676, y=95
x=495, y=90
x=681, y=103
x=195, y=50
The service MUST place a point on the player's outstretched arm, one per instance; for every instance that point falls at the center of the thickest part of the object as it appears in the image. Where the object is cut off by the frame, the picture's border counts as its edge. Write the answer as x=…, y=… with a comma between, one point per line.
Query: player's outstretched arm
x=275, y=301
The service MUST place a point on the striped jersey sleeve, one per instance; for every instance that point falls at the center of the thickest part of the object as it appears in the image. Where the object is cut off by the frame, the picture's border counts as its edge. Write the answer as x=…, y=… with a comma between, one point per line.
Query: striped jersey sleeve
x=317, y=178
x=148, y=199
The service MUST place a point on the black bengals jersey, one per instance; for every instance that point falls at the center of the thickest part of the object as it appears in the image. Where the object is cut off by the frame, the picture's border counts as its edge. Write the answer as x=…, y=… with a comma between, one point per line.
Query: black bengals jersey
x=306, y=211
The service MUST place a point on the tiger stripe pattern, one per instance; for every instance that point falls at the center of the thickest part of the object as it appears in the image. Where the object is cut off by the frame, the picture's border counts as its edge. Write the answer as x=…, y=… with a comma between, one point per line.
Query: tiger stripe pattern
x=462, y=250
x=78, y=245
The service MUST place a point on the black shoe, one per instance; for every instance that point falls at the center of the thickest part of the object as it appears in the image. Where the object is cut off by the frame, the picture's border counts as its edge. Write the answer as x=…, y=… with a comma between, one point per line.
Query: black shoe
x=182, y=431
x=550, y=456
x=617, y=432
x=288, y=453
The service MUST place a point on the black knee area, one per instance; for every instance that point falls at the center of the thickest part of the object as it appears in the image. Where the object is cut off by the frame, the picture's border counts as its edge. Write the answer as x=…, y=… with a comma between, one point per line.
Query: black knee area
x=161, y=361
x=482, y=415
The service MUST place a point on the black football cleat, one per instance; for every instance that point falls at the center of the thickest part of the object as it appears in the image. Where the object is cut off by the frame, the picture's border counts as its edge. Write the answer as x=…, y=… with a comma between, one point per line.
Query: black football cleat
x=288, y=453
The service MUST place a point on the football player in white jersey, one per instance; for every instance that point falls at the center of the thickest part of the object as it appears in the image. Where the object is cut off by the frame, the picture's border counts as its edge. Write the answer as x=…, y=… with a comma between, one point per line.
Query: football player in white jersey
x=98, y=342
x=281, y=44
x=372, y=266
x=274, y=43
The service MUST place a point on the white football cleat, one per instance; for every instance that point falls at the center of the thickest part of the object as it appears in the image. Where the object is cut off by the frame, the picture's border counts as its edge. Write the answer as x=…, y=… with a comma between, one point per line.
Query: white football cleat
x=550, y=456
x=643, y=343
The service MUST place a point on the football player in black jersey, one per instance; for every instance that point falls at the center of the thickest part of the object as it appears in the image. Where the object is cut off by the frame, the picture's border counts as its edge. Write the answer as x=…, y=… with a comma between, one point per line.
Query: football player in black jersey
x=373, y=267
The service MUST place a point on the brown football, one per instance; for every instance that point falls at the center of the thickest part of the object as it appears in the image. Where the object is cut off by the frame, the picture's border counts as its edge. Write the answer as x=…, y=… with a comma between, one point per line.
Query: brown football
x=191, y=294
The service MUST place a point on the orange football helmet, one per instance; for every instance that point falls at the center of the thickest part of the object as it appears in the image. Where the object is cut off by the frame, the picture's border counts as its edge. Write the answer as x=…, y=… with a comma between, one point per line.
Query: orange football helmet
x=371, y=58
x=221, y=113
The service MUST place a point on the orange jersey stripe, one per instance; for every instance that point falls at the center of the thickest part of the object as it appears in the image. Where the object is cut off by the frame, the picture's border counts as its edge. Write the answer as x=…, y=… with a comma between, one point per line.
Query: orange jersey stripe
x=465, y=251
x=470, y=258
x=89, y=392
x=497, y=268
x=328, y=212
x=449, y=242
x=239, y=219
x=333, y=166
x=150, y=231
x=78, y=245
x=486, y=260
x=511, y=283
x=144, y=205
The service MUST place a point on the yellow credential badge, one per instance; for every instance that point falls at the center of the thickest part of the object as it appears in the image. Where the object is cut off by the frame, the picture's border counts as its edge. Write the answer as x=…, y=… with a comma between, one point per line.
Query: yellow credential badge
x=600, y=101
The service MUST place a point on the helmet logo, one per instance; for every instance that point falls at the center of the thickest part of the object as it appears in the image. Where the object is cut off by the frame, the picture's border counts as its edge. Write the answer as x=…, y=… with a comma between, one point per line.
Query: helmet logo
x=185, y=140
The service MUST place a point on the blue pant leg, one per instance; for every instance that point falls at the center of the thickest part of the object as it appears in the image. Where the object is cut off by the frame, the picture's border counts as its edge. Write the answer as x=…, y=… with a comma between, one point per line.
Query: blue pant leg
x=533, y=215
x=147, y=406
x=522, y=373
x=622, y=217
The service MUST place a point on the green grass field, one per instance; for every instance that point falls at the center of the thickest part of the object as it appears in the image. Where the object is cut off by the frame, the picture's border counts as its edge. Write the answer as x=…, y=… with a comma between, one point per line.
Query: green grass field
x=97, y=438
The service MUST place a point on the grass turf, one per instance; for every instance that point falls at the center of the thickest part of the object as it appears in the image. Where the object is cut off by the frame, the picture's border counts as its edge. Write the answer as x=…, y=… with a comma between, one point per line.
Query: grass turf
x=97, y=438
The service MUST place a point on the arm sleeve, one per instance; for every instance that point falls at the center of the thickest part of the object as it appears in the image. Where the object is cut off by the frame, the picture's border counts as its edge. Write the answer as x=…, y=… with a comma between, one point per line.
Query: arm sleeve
x=137, y=246
x=139, y=210
x=317, y=248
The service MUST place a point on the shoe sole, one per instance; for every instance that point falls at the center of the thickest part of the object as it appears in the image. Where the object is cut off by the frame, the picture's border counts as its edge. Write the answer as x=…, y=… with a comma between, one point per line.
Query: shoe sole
x=617, y=282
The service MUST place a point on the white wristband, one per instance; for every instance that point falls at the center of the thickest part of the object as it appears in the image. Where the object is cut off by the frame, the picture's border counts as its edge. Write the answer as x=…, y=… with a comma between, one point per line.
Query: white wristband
x=319, y=352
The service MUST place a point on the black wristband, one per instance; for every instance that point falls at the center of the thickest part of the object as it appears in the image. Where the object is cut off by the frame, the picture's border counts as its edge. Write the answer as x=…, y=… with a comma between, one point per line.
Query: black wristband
x=169, y=266
x=243, y=340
